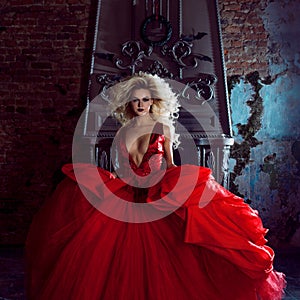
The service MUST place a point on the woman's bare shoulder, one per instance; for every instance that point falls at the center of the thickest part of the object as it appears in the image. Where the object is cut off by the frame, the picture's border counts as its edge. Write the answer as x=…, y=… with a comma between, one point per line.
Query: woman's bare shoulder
x=122, y=130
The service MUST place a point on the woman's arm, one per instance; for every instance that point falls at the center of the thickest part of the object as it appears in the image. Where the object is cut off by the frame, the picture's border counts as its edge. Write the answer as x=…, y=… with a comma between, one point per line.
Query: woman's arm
x=168, y=149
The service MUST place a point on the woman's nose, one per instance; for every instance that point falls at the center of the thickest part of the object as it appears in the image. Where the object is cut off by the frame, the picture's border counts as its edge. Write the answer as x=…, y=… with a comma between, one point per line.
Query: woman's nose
x=139, y=103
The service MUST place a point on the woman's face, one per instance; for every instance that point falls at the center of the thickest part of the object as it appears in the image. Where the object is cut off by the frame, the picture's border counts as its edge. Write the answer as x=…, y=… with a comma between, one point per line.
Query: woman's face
x=141, y=102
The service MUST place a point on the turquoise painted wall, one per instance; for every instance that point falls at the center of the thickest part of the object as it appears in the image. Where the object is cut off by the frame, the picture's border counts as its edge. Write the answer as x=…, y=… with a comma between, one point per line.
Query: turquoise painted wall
x=265, y=160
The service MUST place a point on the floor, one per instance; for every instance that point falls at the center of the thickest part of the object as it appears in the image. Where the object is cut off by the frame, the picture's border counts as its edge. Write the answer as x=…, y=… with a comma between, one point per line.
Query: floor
x=12, y=272
x=288, y=262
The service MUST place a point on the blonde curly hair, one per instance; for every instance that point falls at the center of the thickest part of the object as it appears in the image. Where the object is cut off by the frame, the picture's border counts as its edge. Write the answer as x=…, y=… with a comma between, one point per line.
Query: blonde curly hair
x=165, y=107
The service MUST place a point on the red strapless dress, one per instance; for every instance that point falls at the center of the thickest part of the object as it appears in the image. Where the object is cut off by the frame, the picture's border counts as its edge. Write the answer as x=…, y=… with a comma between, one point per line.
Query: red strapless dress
x=207, y=244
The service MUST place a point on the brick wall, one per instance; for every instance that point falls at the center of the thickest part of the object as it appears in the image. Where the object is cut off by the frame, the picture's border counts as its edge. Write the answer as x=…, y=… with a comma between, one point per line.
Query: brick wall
x=44, y=63
x=244, y=36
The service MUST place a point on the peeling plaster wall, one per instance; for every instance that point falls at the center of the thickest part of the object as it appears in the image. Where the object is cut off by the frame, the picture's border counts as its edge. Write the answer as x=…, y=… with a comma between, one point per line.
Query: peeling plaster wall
x=265, y=160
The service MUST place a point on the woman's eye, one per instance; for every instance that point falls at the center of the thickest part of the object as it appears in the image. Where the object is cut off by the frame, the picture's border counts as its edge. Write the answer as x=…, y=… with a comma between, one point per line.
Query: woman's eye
x=143, y=99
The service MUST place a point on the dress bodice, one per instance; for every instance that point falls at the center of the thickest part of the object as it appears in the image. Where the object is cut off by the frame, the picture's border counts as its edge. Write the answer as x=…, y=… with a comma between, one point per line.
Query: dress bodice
x=152, y=159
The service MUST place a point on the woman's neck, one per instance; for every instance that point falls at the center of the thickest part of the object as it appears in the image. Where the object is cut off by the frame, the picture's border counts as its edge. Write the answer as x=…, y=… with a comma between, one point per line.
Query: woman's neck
x=142, y=120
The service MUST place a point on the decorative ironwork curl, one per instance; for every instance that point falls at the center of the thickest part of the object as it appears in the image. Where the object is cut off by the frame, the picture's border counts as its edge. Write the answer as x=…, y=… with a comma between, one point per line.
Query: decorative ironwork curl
x=179, y=51
x=107, y=80
x=132, y=50
x=157, y=68
x=202, y=84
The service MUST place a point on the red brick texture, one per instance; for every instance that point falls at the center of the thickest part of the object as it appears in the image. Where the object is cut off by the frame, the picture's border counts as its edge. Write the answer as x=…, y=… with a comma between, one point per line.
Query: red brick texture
x=244, y=36
x=45, y=54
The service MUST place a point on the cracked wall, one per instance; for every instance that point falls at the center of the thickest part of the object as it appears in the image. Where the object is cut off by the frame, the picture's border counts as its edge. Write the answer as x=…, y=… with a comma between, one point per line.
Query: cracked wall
x=265, y=161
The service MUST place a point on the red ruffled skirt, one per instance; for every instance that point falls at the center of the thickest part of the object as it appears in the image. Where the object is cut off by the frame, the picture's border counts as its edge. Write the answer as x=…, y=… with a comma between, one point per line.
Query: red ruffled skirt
x=210, y=247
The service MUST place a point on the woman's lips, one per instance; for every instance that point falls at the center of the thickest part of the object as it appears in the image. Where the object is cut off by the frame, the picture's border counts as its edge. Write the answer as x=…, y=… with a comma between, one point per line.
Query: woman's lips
x=140, y=109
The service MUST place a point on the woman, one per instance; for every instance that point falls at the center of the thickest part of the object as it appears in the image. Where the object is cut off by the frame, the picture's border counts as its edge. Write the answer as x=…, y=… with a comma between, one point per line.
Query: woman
x=150, y=230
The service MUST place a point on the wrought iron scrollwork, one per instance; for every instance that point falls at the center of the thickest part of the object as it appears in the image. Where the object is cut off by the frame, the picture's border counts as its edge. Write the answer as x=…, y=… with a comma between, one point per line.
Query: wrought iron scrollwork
x=157, y=68
x=203, y=85
x=133, y=51
x=179, y=51
x=133, y=56
x=107, y=80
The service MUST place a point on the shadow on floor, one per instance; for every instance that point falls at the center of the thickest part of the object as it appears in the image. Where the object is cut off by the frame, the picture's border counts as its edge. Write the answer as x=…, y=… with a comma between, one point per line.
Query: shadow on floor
x=288, y=262
x=12, y=272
